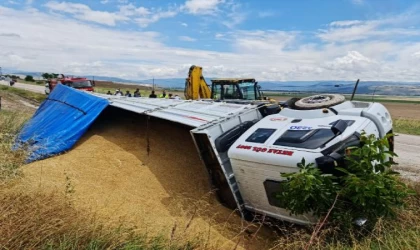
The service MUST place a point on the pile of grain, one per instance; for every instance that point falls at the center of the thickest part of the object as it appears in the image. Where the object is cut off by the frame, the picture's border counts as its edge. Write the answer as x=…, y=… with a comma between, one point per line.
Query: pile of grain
x=165, y=191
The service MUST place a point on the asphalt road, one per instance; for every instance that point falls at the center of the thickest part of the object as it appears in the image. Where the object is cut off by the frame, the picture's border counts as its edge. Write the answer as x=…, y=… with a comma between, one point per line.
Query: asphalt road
x=30, y=87
x=408, y=149
x=406, y=146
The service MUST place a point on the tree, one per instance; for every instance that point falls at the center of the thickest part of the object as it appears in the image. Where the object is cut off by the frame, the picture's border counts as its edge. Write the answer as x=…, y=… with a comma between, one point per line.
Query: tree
x=49, y=75
x=46, y=76
x=29, y=78
x=367, y=187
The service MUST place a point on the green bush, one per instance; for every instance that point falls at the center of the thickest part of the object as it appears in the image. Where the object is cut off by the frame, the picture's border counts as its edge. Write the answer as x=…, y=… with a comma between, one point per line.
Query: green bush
x=29, y=78
x=368, y=188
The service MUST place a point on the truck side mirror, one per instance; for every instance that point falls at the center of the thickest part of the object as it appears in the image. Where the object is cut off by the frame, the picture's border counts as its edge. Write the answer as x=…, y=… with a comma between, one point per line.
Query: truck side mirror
x=339, y=127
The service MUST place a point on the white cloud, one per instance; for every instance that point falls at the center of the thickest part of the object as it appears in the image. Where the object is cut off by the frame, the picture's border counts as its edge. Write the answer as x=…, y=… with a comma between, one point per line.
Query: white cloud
x=353, y=59
x=145, y=21
x=265, y=55
x=29, y=2
x=358, y=2
x=83, y=12
x=252, y=41
x=104, y=1
x=225, y=12
x=234, y=15
x=416, y=54
x=199, y=7
x=356, y=30
x=264, y=14
x=184, y=24
x=345, y=23
x=127, y=13
x=131, y=10
x=187, y=39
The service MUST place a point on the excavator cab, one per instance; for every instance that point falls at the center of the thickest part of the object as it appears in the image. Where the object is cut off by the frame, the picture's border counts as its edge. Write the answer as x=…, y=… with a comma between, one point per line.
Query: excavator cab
x=235, y=88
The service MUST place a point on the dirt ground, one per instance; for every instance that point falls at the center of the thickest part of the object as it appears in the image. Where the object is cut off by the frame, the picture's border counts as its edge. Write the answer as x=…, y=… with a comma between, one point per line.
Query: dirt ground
x=113, y=176
x=404, y=110
x=12, y=102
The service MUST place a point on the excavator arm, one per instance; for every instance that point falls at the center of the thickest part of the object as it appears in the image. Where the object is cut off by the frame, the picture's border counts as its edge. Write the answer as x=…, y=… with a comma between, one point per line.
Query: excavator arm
x=195, y=85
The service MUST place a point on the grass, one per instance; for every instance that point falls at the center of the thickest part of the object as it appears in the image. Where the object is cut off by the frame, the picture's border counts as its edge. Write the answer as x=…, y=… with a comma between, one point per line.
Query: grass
x=407, y=126
x=386, y=100
x=402, y=233
x=24, y=93
x=10, y=161
x=36, y=82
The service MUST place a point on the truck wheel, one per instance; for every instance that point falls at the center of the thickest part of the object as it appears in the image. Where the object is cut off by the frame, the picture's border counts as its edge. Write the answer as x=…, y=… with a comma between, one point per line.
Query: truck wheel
x=319, y=101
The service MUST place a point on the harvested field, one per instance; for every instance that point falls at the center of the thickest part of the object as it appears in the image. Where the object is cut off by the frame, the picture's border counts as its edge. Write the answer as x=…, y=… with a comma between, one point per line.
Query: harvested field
x=403, y=110
x=165, y=192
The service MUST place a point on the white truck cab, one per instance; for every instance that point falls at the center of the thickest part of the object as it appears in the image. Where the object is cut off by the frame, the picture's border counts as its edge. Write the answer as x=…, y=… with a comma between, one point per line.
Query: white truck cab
x=278, y=142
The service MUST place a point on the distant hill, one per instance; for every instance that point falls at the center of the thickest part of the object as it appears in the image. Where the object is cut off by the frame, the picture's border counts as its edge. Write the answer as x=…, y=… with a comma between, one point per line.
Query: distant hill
x=330, y=86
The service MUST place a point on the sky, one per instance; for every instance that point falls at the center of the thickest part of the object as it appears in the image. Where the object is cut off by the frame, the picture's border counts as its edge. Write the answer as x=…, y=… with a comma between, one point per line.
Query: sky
x=281, y=40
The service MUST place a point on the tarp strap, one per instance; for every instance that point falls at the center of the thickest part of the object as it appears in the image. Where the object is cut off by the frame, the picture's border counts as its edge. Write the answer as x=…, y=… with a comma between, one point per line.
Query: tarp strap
x=81, y=110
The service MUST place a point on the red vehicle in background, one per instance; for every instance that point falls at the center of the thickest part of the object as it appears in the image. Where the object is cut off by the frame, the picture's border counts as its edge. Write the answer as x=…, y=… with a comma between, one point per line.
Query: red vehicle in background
x=81, y=83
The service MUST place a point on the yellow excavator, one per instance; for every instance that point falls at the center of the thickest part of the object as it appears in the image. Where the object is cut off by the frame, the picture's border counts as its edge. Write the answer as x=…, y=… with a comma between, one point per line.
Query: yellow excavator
x=221, y=89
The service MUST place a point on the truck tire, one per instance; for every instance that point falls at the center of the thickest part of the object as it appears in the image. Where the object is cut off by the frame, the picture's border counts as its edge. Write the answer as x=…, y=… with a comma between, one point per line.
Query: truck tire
x=319, y=101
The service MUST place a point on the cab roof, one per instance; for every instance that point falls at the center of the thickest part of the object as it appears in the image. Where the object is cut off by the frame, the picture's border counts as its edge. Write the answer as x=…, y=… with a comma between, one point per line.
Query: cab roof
x=232, y=80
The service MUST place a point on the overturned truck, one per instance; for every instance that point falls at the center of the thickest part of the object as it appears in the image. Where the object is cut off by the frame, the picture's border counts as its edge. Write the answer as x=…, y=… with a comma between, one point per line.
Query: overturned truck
x=244, y=147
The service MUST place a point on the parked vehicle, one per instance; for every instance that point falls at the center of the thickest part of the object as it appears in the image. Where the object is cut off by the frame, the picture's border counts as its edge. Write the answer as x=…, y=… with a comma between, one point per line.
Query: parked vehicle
x=80, y=83
x=228, y=89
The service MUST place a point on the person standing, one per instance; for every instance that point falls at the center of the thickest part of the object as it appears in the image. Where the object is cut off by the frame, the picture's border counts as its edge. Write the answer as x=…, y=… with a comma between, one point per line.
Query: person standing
x=163, y=95
x=137, y=93
x=152, y=95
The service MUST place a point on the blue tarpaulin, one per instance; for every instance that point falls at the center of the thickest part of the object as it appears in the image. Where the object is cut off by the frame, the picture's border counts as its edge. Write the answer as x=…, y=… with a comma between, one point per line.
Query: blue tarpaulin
x=59, y=122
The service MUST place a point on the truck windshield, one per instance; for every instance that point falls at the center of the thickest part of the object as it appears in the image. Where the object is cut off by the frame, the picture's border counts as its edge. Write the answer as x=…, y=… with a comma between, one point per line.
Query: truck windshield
x=260, y=135
x=309, y=139
x=81, y=84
